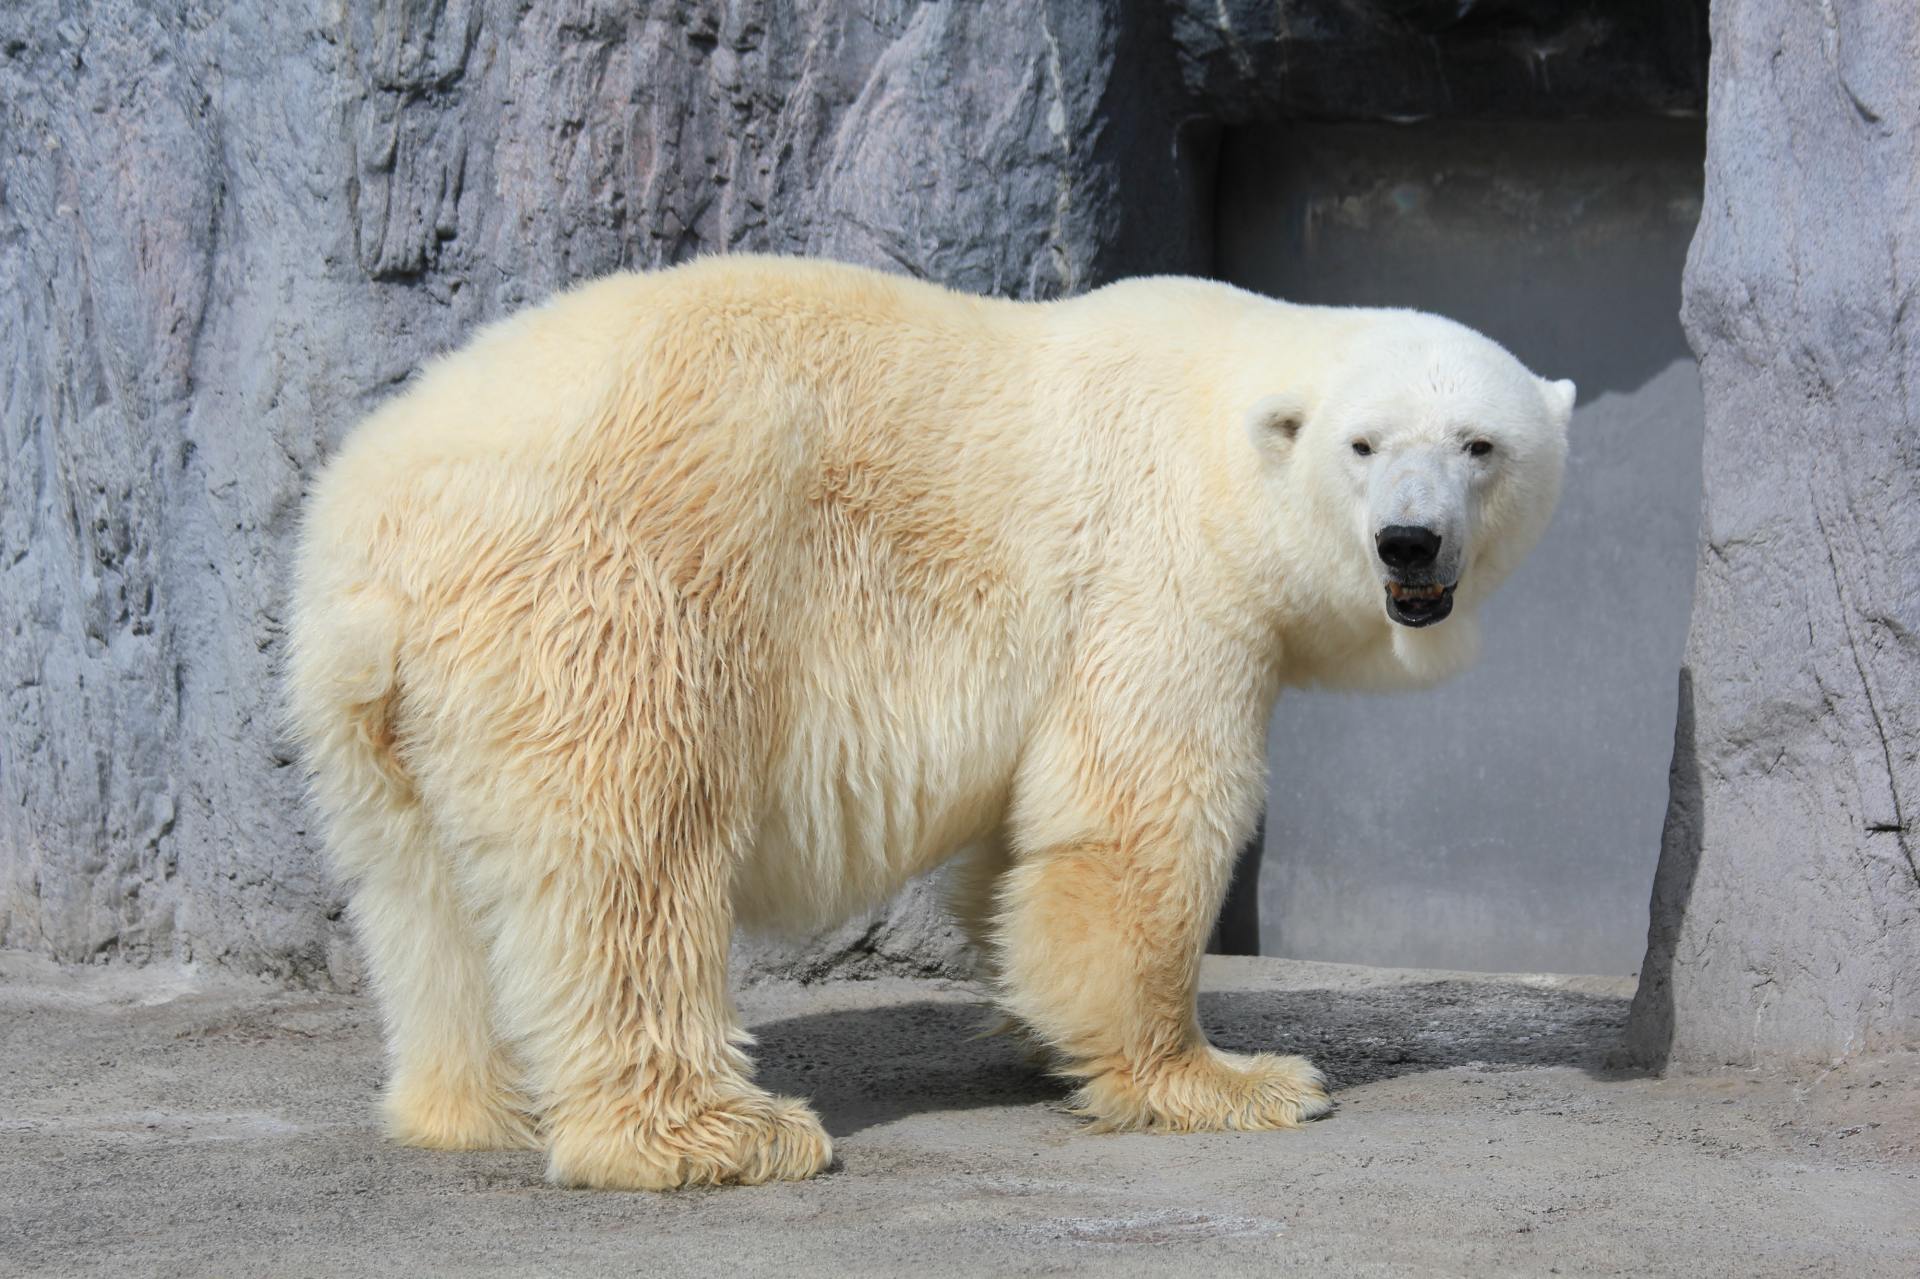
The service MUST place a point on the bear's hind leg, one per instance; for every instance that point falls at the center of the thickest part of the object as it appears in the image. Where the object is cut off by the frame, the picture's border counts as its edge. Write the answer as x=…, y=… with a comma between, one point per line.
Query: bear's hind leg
x=618, y=997
x=613, y=891
x=451, y=1085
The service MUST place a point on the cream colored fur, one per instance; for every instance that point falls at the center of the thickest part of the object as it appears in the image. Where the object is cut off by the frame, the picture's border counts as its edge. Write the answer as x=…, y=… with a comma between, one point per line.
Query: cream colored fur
x=743, y=592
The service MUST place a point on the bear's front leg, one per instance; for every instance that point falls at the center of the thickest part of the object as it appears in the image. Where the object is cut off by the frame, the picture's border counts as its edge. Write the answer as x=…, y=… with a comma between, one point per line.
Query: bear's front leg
x=1100, y=947
x=1100, y=931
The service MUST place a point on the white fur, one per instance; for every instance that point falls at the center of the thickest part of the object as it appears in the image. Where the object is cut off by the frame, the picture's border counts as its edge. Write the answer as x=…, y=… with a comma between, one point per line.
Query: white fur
x=747, y=590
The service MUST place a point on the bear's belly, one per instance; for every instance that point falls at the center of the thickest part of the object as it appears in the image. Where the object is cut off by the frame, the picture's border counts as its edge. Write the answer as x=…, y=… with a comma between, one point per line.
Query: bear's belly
x=876, y=780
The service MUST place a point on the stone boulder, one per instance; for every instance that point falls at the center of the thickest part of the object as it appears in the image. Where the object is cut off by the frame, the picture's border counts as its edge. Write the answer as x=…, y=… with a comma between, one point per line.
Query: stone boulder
x=1786, y=911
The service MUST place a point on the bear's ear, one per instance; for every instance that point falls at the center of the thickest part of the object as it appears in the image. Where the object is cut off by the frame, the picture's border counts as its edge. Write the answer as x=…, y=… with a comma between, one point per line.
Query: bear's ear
x=1275, y=420
x=1559, y=400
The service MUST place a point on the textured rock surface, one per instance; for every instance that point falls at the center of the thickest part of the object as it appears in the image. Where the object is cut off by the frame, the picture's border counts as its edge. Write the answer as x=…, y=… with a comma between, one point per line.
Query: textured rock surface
x=227, y=230
x=1786, y=923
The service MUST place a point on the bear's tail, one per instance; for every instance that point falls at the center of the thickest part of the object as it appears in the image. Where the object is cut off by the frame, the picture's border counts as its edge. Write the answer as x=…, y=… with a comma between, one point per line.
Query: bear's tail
x=343, y=693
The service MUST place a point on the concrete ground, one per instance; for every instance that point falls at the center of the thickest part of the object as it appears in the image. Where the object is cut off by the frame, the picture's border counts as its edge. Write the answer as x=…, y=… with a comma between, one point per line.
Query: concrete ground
x=174, y=1123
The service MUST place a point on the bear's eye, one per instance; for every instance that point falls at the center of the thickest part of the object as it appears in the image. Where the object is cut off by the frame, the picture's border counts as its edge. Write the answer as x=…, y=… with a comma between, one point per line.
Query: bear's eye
x=1480, y=448
x=1363, y=448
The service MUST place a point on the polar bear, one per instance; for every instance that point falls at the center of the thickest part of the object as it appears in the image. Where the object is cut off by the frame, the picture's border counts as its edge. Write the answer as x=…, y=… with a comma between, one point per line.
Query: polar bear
x=741, y=592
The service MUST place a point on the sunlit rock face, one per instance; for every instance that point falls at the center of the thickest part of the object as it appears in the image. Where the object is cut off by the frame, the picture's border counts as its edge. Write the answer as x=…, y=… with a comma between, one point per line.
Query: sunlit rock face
x=227, y=231
x=1786, y=915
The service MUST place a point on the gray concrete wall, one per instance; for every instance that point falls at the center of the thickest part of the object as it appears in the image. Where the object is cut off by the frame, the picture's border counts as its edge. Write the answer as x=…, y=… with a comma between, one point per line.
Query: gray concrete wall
x=1511, y=819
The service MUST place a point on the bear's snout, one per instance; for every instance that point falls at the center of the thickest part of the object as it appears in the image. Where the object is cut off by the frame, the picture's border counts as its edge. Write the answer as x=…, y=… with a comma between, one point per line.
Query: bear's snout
x=1411, y=553
x=1407, y=548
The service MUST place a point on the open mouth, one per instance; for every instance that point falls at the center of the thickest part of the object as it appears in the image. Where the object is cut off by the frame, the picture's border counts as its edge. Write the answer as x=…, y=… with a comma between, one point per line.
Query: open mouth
x=1418, y=605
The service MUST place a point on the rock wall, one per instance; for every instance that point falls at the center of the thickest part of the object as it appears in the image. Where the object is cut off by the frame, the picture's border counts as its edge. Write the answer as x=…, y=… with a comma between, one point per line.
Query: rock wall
x=1786, y=912
x=228, y=230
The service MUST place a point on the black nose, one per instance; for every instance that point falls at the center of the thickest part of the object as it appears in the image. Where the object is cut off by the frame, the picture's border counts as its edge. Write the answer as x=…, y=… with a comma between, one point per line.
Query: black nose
x=1405, y=546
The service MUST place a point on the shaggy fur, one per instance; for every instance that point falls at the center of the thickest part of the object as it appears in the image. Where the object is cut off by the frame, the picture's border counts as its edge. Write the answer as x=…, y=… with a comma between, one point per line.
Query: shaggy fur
x=742, y=592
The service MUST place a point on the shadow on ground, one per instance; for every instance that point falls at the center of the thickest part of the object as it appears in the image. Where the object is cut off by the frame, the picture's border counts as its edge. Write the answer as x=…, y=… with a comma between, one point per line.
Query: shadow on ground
x=871, y=1066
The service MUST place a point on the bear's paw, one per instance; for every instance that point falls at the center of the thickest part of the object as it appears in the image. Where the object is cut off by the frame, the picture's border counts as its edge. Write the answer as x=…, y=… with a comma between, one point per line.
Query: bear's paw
x=740, y=1140
x=438, y=1116
x=1207, y=1090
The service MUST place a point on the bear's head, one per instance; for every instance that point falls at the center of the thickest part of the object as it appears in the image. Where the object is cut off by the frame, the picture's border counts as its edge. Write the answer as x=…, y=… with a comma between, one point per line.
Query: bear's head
x=1428, y=462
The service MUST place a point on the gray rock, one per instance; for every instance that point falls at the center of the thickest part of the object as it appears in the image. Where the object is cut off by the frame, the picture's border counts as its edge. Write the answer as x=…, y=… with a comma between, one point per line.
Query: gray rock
x=227, y=231
x=1786, y=914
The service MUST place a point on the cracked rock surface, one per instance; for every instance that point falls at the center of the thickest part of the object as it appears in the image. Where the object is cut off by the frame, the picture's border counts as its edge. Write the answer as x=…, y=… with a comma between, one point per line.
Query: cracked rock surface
x=1786, y=912
x=227, y=231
